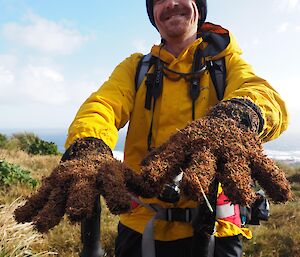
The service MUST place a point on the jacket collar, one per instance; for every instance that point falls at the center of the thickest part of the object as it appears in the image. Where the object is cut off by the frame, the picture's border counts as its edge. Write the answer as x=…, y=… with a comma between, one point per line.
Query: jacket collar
x=186, y=54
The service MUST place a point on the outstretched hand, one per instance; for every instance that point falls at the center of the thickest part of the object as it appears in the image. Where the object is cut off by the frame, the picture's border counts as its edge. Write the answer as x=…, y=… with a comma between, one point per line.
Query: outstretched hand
x=210, y=149
x=88, y=169
x=207, y=150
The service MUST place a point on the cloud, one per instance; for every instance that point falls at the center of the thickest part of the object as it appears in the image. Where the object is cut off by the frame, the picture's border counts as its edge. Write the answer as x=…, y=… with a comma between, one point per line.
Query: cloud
x=288, y=27
x=140, y=45
x=290, y=5
x=8, y=60
x=42, y=84
x=6, y=77
x=31, y=79
x=289, y=91
x=23, y=82
x=293, y=4
x=255, y=41
x=283, y=27
x=29, y=84
x=44, y=35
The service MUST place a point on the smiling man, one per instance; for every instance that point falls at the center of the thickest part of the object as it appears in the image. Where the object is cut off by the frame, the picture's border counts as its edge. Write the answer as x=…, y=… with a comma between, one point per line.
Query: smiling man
x=195, y=74
x=181, y=26
x=177, y=22
x=197, y=89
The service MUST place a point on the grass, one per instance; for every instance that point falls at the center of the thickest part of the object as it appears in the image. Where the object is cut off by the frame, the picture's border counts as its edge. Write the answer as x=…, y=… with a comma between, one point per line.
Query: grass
x=64, y=239
x=279, y=237
x=18, y=240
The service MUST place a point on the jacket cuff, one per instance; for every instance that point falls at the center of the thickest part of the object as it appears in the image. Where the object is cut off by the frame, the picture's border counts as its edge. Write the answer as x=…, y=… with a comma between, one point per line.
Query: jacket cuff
x=249, y=104
x=243, y=111
x=84, y=147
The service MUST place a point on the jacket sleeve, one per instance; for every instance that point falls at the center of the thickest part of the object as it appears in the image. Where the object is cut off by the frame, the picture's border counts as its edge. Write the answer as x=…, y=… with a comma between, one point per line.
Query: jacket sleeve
x=243, y=83
x=108, y=109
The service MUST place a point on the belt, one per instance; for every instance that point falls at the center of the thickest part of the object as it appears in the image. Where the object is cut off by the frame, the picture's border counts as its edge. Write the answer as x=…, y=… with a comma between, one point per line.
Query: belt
x=161, y=213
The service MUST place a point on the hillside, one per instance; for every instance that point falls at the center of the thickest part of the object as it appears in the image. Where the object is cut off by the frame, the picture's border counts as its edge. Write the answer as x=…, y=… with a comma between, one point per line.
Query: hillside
x=279, y=237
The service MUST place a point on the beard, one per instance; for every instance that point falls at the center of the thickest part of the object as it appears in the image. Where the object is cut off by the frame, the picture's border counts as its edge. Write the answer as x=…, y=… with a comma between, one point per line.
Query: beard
x=177, y=28
x=177, y=21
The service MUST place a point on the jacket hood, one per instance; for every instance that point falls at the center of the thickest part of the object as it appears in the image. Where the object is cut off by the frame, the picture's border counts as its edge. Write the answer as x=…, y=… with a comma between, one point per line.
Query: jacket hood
x=220, y=42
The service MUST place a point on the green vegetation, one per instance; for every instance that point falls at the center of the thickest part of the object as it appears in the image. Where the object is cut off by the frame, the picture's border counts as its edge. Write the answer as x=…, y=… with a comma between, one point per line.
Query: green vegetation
x=279, y=237
x=29, y=143
x=3, y=140
x=11, y=174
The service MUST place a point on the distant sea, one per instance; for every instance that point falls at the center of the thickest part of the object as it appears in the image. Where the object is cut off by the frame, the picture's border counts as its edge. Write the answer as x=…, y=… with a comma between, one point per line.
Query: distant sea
x=286, y=148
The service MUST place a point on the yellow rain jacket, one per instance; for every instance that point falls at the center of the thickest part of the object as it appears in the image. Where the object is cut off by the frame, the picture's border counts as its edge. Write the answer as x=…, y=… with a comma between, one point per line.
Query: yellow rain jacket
x=117, y=102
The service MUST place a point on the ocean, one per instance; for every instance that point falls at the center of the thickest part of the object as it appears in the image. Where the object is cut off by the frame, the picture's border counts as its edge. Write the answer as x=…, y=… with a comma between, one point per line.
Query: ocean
x=286, y=148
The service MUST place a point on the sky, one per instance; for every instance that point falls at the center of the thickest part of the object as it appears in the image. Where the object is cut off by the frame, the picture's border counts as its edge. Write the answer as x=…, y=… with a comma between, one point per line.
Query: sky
x=55, y=53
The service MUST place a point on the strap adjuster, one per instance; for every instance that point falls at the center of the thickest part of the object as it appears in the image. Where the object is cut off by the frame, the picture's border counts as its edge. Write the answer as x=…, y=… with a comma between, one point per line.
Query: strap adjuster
x=179, y=214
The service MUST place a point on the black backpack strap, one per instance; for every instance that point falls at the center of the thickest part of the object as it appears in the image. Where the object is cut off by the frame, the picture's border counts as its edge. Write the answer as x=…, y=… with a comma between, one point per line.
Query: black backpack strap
x=218, y=39
x=143, y=67
x=217, y=70
x=153, y=84
x=194, y=81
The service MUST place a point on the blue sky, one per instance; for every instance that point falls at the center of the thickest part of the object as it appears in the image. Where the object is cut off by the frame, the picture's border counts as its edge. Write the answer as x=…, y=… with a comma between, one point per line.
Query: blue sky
x=53, y=54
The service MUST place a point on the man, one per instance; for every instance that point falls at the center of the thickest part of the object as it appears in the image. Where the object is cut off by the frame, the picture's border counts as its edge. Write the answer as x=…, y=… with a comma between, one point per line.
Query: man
x=180, y=87
x=181, y=26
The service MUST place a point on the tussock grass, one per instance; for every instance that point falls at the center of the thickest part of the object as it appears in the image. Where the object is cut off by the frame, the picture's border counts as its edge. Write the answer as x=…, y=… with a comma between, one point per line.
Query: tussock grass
x=279, y=237
x=18, y=240
x=64, y=238
x=108, y=230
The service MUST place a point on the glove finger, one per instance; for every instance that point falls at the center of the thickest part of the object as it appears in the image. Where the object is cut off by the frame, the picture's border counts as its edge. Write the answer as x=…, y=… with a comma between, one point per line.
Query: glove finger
x=199, y=175
x=82, y=191
x=166, y=158
x=81, y=199
x=271, y=178
x=52, y=211
x=236, y=180
x=54, y=207
x=34, y=203
x=111, y=185
x=136, y=184
x=59, y=176
x=99, y=174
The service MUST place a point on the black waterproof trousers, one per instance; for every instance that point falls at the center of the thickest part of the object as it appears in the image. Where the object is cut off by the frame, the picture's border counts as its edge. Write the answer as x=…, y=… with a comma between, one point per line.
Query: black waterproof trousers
x=128, y=244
